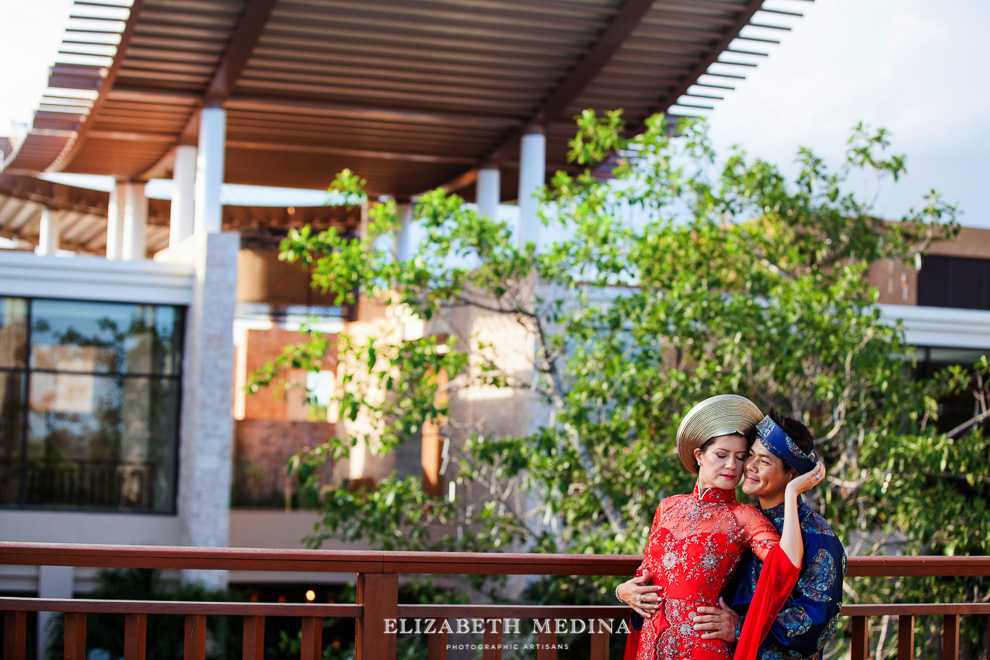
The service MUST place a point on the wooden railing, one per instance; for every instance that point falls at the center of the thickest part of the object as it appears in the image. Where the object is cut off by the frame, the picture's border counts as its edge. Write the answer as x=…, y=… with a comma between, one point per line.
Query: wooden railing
x=378, y=591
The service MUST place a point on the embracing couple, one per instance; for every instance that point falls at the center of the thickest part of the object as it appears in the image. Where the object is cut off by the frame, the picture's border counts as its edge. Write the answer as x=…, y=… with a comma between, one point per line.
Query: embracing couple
x=721, y=579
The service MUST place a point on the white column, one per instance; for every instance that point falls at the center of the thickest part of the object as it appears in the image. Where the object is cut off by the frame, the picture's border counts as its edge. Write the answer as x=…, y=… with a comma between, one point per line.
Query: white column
x=209, y=170
x=532, y=174
x=489, y=191
x=183, y=194
x=403, y=243
x=51, y=231
x=135, y=223
x=115, y=220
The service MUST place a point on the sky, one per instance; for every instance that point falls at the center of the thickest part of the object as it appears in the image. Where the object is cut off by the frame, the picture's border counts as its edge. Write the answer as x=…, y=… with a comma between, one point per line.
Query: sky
x=916, y=67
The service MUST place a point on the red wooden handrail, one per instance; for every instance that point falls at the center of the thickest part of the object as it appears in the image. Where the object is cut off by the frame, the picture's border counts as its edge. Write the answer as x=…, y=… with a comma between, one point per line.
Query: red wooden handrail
x=340, y=561
x=437, y=563
x=89, y=606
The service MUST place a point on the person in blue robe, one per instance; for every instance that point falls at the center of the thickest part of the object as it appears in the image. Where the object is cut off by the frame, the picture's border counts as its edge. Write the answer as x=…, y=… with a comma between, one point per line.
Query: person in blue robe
x=783, y=450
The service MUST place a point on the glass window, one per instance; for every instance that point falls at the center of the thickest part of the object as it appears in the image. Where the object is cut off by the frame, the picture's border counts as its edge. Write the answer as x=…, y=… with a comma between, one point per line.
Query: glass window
x=91, y=421
x=960, y=407
x=13, y=332
x=11, y=434
x=104, y=337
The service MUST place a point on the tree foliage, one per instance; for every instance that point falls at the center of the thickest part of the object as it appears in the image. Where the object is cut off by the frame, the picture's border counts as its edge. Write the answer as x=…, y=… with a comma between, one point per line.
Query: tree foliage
x=680, y=277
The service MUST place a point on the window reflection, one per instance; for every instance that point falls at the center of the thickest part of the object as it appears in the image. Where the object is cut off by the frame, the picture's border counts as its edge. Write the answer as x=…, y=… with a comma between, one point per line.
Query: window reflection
x=11, y=435
x=104, y=338
x=91, y=421
x=13, y=332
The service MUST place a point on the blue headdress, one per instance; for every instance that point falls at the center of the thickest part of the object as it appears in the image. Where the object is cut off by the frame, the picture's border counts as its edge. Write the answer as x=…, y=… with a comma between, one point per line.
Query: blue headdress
x=780, y=445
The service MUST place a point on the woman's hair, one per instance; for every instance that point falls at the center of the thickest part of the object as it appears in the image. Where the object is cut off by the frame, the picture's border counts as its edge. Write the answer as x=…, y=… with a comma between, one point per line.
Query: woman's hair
x=794, y=429
x=748, y=434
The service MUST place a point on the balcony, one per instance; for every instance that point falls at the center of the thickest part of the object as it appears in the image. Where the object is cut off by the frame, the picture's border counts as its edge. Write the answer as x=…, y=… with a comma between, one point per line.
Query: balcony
x=377, y=607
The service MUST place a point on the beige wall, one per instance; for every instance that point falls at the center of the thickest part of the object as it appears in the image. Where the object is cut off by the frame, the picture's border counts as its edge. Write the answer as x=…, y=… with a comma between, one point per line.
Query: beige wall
x=254, y=348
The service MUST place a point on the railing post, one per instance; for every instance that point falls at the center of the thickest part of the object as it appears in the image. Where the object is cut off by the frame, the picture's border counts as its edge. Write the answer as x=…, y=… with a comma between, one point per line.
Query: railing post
x=312, y=638
x=436, y=643
x=546, y=641
x=492, y=640
x=14, y=634
x=75, y=636
x=861, y=640
x=378, y=593
x=254, y=638
x=135, y=636
x=950, y=637
x=905, y=637
x=195, y=644
x=599, y=641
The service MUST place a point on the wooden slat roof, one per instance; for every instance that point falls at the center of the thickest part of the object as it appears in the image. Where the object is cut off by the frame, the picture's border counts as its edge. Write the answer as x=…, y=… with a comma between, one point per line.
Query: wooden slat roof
x=410, y=94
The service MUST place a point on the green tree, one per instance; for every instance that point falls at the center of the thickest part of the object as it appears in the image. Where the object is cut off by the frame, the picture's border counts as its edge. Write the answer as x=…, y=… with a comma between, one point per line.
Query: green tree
x=679, y=278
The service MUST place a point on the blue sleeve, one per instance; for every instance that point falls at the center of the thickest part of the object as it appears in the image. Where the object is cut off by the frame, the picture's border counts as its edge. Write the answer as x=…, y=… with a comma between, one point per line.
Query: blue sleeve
x=808, y=618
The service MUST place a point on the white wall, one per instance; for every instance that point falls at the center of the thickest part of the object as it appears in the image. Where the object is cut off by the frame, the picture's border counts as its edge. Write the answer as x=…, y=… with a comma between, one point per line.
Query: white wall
x=940, y=326
x=95, y=278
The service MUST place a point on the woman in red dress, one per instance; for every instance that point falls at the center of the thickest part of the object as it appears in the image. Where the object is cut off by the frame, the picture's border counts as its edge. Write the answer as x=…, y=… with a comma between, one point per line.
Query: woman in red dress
x=697, y=541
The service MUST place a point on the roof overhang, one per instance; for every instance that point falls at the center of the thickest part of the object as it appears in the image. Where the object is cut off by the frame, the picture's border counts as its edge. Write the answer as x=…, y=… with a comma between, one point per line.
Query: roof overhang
x=410, y=94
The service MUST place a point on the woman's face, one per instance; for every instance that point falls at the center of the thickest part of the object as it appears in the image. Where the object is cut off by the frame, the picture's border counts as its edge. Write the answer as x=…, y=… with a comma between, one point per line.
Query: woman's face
x=721, y=464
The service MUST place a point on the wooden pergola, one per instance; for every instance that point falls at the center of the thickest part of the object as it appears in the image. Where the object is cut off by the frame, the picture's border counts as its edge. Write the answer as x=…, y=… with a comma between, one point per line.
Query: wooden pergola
x=410, y=94
x=85, y=216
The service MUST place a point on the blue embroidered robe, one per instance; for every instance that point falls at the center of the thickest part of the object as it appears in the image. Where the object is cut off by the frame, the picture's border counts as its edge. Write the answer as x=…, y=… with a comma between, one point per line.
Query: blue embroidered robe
x=808, y=618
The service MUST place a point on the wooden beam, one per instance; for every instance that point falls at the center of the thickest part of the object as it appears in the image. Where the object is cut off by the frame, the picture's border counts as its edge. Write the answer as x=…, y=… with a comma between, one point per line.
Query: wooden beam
x=378, y=593
x=194, y=647
x=546, y=641
x=599, y=642
x=14, y=634
x=69, y=154
x=344, y=151
x=312, y=638
x=436, y=643
x=235, y=58
x=249, y=30
x=731, y=32
x=491, y=640
x=905, y=637
x=860, y=638
x=950, y=637
x=130, y=136
x=75, y=636
x=254, y=638
x=380, y=113
x=135, y=636
x=591, y=64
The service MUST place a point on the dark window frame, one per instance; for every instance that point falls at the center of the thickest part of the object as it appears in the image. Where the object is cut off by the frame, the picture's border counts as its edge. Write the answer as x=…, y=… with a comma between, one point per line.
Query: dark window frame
x=26, y=370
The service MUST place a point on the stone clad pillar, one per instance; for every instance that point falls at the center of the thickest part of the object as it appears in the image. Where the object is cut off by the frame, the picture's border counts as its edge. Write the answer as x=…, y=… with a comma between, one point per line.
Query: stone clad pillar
x=183, y=194
x=207, y=425
x=209, y=170
x=51, y=231
x=532, y=174
x=206, y=432
x=115, y=220
x=489, y=191
x=134, y=245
